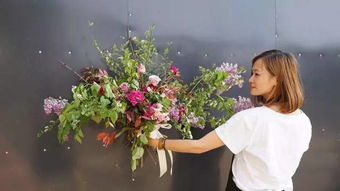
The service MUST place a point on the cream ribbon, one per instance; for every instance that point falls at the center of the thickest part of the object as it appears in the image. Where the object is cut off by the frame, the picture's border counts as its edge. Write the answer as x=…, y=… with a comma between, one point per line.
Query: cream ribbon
x=155, y=134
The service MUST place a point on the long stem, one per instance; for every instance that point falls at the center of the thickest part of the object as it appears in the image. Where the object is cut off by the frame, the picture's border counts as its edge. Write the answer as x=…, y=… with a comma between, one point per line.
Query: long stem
x=122, y=131
x=132, y=49
x=199, y=81
x=70, y=69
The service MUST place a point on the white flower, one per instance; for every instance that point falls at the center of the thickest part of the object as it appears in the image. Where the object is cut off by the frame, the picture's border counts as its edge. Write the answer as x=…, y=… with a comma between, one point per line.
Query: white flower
x=154, y=80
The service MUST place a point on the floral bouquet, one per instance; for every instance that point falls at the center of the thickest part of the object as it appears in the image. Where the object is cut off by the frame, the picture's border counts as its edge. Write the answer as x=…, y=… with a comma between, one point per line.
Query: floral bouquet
x=144, y=94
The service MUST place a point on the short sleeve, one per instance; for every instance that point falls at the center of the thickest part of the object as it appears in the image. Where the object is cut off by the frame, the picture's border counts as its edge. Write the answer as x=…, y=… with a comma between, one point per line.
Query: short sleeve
x=236, y=133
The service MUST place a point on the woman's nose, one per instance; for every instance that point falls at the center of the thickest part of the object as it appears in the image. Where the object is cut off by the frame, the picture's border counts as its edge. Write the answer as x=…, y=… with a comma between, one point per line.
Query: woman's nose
x=250, y=79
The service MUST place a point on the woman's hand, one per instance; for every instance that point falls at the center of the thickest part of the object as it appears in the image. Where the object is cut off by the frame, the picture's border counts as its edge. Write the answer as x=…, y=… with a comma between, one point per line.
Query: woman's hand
x=153, y=142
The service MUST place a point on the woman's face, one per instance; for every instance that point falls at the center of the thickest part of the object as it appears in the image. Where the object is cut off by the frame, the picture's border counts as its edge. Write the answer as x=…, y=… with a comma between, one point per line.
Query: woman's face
x=261, y=81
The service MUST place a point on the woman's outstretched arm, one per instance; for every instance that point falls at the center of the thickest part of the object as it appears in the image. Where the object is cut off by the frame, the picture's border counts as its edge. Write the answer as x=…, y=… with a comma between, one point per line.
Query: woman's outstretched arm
x=206, y=143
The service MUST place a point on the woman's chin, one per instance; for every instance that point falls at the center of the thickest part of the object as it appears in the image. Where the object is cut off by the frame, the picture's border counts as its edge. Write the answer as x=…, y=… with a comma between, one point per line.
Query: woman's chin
x=252, y=93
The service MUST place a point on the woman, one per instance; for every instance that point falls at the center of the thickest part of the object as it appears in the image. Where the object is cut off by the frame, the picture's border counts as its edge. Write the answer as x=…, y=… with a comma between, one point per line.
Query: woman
x=268, y=141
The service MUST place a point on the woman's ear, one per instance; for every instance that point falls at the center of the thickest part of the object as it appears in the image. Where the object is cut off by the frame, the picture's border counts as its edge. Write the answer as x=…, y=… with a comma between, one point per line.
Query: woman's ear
x=276, y=81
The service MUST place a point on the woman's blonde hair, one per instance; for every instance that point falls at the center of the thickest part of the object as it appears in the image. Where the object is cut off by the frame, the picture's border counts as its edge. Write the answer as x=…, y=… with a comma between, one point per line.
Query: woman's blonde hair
x=288, y=93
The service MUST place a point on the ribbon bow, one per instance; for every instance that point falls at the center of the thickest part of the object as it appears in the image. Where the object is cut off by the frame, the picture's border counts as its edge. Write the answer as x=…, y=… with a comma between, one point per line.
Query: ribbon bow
x=155, y=134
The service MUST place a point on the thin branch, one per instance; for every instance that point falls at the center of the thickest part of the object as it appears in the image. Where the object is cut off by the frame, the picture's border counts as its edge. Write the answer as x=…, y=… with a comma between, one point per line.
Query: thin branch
x=70, y=69
x=130, y=43
x=199, y=81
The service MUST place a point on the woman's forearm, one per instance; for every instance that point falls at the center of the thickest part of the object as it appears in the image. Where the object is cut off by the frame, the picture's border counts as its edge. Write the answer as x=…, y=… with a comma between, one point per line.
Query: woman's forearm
x=206, y=143
x=184, y=146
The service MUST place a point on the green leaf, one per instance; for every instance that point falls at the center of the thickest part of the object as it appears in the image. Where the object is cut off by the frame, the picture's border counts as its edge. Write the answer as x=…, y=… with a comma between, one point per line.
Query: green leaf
x=121, y=106
x=60, y=133
x=80, y=133
x=105, y=113
x=97, y=118
x=108, y=124
x=133, y=164
x=148, y=128
x=143, y=139
x=77, y=138
x=95, y=88
x=113, y=116
x=137, y=153
x=108, y=91
x=62, y=118
x=135, y=84
x=104, y=102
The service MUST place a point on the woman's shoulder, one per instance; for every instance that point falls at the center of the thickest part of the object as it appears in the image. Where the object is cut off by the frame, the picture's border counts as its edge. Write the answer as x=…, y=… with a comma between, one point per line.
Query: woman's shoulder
x=251, y=113
x=305, y=116
x=265, y=113
x=254, y=111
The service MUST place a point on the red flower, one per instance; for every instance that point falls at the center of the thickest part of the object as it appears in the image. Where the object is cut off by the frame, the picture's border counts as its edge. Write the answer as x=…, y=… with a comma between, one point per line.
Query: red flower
x=107, y=138
x=182, y=109
x=101, y=91
x=174, y=70
x=152, y=87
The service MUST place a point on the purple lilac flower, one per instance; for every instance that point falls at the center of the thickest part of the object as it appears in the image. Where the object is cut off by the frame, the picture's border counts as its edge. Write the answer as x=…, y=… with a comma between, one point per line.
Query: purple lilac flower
x=229, y=68
x=242, y=103
x=54, y=105
x=194, y=121
x=174, y=101
x=174, y=113
x=234, y=77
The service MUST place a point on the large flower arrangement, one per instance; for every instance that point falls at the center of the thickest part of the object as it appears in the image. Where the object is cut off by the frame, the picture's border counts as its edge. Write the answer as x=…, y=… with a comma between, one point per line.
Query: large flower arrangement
x=145, y=93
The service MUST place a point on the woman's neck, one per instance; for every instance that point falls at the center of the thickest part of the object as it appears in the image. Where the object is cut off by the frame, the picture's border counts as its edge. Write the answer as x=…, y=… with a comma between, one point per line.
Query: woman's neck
x=275, y=107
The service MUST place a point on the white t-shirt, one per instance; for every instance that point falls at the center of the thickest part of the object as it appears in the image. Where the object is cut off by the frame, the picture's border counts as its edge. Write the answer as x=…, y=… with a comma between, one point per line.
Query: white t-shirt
x=268, y=147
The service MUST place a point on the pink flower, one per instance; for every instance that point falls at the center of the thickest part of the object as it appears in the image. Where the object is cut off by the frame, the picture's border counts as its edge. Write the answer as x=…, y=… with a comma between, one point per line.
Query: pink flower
x=161, y=117
x=129, y=115
x=154, y=80
x=124, y=87
x=182, y=109
x=149, y=112
x=158, y=107
x=141, y=69
x=154, y=112
x=135, y=97
x=174, y=70
x=102, y=73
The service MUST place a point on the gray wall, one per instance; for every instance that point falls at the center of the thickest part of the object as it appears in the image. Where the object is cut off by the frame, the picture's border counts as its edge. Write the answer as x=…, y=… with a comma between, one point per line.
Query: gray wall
x=35, y=34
